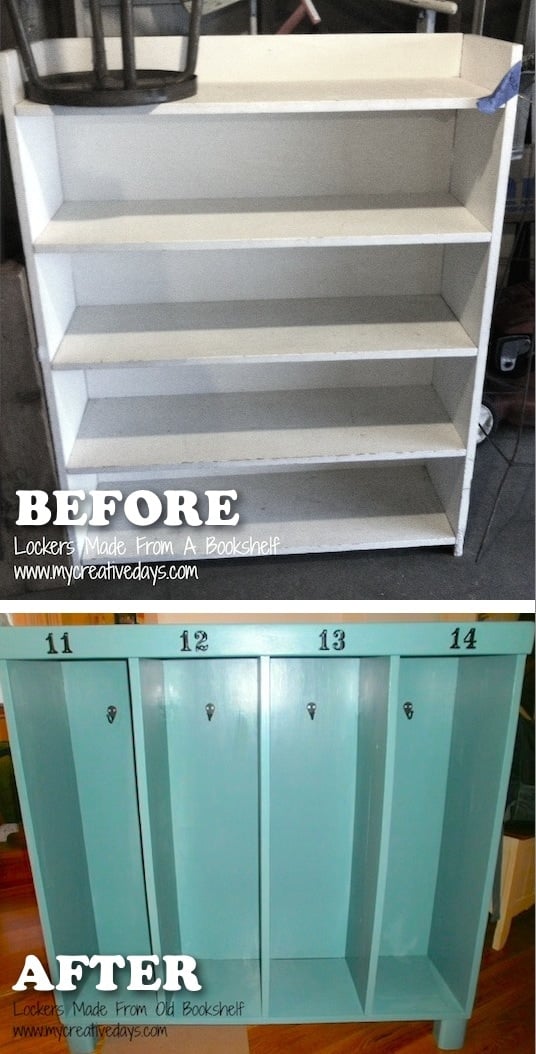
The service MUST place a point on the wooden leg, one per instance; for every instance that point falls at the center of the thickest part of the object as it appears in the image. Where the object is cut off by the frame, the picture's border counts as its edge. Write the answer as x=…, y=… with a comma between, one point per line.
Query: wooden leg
x=500, y=933
x=450, y=1033
x=517, y=884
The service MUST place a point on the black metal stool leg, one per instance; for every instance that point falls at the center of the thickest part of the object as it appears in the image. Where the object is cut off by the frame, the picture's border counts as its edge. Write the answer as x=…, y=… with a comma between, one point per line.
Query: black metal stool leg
x=127, y=42
x=101, y=86
x=193, y=38
x=23, y=44
x=99, y=53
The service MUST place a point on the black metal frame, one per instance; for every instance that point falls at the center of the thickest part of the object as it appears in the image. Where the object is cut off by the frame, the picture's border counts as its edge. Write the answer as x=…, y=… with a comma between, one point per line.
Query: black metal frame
x=101, y=86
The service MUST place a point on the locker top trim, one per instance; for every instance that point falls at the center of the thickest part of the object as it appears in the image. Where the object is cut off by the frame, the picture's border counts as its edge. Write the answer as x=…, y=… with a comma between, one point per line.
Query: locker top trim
x=209, y=640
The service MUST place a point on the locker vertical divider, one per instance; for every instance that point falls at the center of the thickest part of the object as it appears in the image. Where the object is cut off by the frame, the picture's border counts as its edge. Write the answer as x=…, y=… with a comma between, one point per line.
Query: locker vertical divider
x=385, y=826
x=378, y=678
x=151, y=743
x=264, y=830
x=148, y=849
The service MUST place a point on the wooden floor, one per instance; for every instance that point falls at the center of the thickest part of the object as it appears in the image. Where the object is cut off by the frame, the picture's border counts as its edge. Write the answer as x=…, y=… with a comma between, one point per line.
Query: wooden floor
x=503, y=1020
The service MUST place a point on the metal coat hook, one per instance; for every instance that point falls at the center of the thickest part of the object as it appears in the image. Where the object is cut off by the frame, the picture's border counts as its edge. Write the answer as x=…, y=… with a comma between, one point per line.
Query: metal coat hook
x=111, y=714
x=408, y=710
x=210, y=710
x=311, y=710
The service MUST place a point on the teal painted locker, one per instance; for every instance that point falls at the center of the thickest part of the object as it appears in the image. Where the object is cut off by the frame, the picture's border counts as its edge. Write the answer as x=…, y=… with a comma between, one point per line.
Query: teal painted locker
x=313, y=813
x=82, y=811
x=201, y=783
x=312, y=794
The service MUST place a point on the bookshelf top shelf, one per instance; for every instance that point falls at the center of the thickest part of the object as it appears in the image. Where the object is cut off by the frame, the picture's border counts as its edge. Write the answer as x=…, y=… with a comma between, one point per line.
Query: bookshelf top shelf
x=334, y=72
x=431, y=93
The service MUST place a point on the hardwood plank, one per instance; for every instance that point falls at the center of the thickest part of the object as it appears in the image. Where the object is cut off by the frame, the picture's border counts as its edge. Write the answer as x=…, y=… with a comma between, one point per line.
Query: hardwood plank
x=14, y=865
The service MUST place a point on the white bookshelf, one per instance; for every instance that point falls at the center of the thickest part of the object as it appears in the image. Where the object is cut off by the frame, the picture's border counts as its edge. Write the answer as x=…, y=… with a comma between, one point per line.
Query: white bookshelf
x=284, y=283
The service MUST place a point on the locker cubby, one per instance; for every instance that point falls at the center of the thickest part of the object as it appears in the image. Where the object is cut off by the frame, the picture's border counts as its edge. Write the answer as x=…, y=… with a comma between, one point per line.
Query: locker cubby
x=312, y=812
x=329, y=157
x=104, y=310
x=361, y=506
x=82, y=803
x=443, y=755
x=325, y=815
x=201, y=787
x=353, y=412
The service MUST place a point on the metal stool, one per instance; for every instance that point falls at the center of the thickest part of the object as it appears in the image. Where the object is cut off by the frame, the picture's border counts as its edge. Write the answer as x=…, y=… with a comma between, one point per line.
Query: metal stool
x=101, y=86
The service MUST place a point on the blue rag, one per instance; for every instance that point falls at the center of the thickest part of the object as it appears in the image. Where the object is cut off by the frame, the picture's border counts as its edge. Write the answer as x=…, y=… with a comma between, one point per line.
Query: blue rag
x=505, y=90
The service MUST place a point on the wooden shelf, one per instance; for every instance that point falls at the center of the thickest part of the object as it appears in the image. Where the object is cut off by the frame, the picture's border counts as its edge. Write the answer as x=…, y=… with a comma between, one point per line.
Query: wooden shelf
x=229, y=223
x=349, y=71
x=321, y=987
x=412, y=980
x=342, y=509
x=430, y=93
x=374, y=94
x=260, y=330
x=406, y=987
x=272, y=427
